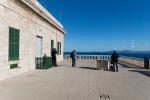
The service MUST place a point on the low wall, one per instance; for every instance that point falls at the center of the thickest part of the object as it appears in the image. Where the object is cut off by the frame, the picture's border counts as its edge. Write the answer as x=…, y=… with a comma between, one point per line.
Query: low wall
x=131, y=60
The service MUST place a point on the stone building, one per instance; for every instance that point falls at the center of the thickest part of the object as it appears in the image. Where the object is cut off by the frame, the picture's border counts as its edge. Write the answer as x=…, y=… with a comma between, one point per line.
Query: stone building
x=27, y=31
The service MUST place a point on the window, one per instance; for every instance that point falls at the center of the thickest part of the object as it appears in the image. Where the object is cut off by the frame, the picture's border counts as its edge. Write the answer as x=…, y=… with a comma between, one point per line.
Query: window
x=59, y=48
x=13, y=44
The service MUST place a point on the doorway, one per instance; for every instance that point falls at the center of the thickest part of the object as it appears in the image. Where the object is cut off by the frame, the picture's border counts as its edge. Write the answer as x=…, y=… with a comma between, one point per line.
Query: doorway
x=39, y=47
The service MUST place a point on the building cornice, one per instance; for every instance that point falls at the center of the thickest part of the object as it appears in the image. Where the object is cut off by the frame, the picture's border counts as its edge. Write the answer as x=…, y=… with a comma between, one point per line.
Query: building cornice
x=41, y=11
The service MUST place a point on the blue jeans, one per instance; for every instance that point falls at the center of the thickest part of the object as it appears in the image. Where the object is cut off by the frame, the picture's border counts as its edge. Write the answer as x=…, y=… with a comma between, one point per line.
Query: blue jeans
x=73, y=62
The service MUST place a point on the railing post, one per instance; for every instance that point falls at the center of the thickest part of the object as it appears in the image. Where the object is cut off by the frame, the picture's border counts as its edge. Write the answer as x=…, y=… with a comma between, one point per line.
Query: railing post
x=146, y=63
x=149, y=63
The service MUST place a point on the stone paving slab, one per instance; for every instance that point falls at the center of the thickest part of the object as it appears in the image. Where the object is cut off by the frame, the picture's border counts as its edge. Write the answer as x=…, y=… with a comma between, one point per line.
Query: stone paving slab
x=81, y=83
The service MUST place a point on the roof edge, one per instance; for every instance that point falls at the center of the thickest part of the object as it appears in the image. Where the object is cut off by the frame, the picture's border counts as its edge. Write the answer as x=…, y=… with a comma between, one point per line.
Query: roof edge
x=41, y=11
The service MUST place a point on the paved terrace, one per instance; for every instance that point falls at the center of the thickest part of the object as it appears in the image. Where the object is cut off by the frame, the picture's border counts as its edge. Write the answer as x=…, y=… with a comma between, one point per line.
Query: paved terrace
x=81, y=83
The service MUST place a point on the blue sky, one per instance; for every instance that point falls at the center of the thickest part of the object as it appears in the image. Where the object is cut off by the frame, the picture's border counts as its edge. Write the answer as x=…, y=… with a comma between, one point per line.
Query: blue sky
x=103, y=25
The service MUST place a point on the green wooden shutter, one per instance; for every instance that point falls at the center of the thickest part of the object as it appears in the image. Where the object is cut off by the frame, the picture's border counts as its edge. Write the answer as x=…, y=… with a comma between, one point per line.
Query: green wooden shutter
x=60, y=48
x=16, y=45
x=13, y=44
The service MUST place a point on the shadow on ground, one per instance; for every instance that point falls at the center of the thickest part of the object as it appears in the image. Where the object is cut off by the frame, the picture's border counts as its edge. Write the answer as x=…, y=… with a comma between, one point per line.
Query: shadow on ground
x=64, y=66
x=146, y=73
x=91, y=68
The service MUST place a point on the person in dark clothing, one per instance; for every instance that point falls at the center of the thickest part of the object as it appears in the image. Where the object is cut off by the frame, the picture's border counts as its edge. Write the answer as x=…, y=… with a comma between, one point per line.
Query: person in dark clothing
x=44, y=60
x=114, y=60
x=54, y=60
x=73, y=55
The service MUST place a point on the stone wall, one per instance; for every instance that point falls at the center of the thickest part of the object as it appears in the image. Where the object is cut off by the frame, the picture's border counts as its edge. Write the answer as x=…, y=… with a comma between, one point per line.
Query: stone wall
x=17, y=15
x=134, y=61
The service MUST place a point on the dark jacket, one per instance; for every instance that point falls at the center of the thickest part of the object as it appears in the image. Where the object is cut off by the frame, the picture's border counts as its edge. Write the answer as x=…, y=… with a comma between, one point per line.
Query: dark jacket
x=114, y=57
x=54, y=52
x=73, y=55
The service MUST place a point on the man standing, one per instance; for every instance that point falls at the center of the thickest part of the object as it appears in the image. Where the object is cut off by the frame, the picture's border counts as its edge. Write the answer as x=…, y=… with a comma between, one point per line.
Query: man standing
x=114, y=60
x=73, y=55
x=54, y=60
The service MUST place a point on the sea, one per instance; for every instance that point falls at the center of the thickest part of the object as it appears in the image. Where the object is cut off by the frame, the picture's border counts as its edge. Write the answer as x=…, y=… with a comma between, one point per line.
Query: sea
x=136, y=55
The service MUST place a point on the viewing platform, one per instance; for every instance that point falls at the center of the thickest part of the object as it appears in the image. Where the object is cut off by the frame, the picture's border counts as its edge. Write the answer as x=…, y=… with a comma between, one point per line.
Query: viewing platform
x=127, y=61
x=84, y=82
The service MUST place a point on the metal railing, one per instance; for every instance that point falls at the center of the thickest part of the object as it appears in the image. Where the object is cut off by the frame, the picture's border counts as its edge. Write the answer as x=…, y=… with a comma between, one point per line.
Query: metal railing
x=43, y=63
